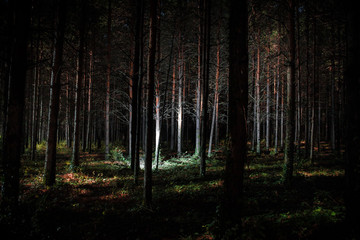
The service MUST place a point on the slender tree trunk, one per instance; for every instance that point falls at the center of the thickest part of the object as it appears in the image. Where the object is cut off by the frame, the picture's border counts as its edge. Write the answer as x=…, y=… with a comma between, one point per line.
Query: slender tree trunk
x=315, y=91
x=89, y=105
x=332, y=92
x=172, y=137
x=268, y=104
x=277, y=101
x=108, y=73
x=212, y=130
x=139, y=95
x=180, y=100
x=217, y=79
x=199, y=79
x=55, y=87
x=257, y=99
x=282, y=110
x=308, y=107
x=151, y=83
x=75, y=161
x=290, y=119
x=135, y=82
x=157, y=98
x=299, y=107
x=254, y=105
x=35, y=100
x=205, y=85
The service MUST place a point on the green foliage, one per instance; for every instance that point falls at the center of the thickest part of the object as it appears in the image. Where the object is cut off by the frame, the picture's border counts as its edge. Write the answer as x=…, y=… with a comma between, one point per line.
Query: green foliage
x=102, y=191
x=116, y=154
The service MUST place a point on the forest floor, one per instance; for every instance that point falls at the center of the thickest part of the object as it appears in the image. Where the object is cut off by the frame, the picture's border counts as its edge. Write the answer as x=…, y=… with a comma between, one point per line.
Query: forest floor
x=101, y=201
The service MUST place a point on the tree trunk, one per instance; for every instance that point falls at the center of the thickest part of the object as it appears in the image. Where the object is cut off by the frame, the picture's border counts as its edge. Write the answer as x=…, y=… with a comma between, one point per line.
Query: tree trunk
x=151, y=83
x=180, y=100
x=139, y=95
x=290, y=118
x=50, y=156
x=277, y=101
x=299, y=108
x=75, y=161
x=352, y=116
x=205, y=86
x=157, y=99
x=135, y=82
x=217, y=79
x=257, y=99
x=15, y=108
x=238, y=87
x=199, y=79
x=108, y=72
x=268, y=94
x=212, y=129
x=89, y=105
x=172, y=137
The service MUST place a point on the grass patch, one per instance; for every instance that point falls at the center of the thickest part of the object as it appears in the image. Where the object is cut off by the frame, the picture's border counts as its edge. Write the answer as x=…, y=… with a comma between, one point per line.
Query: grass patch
x=101, y=200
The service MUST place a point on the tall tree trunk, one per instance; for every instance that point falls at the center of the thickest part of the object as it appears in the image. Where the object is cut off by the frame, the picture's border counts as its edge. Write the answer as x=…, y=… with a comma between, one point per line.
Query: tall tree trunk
x=180, y=100
x=268, y=94
x=34, y=111
x=206, y=70
x=352, y=116
x=55, y=81
x=135, y=81
x=199, y=79
x=257, y=99
x=238, y=87
x=15, y=107
x=308, y=107
x=75, y=161
x=215, y=124
x=332, y=91
x=315, y=91
x=157, y=98
x=172, y=137
x=290, y=118
x=151, y=83
x=108, y=72
x=282, y=109
x=139, y=95
x=299, y=107
x=277, y=101
x=254, y=104
x=89, y=103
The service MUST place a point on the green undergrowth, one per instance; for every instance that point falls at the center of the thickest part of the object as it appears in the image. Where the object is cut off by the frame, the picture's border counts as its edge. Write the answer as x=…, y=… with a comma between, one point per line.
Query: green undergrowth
x=101, y=201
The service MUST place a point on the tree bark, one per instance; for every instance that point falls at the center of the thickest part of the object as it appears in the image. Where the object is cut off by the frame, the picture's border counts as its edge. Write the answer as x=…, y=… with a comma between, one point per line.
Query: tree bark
x=199, y=79
x=75, y=160
x=55, y=87
x=238, y=87
x=180, y=100
x=172, y=137
x=352, y=117
x=290, y=118
x=151, y=83
x=205, y=85
x=15, y=107
x=108, y=72
x=257, y=99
